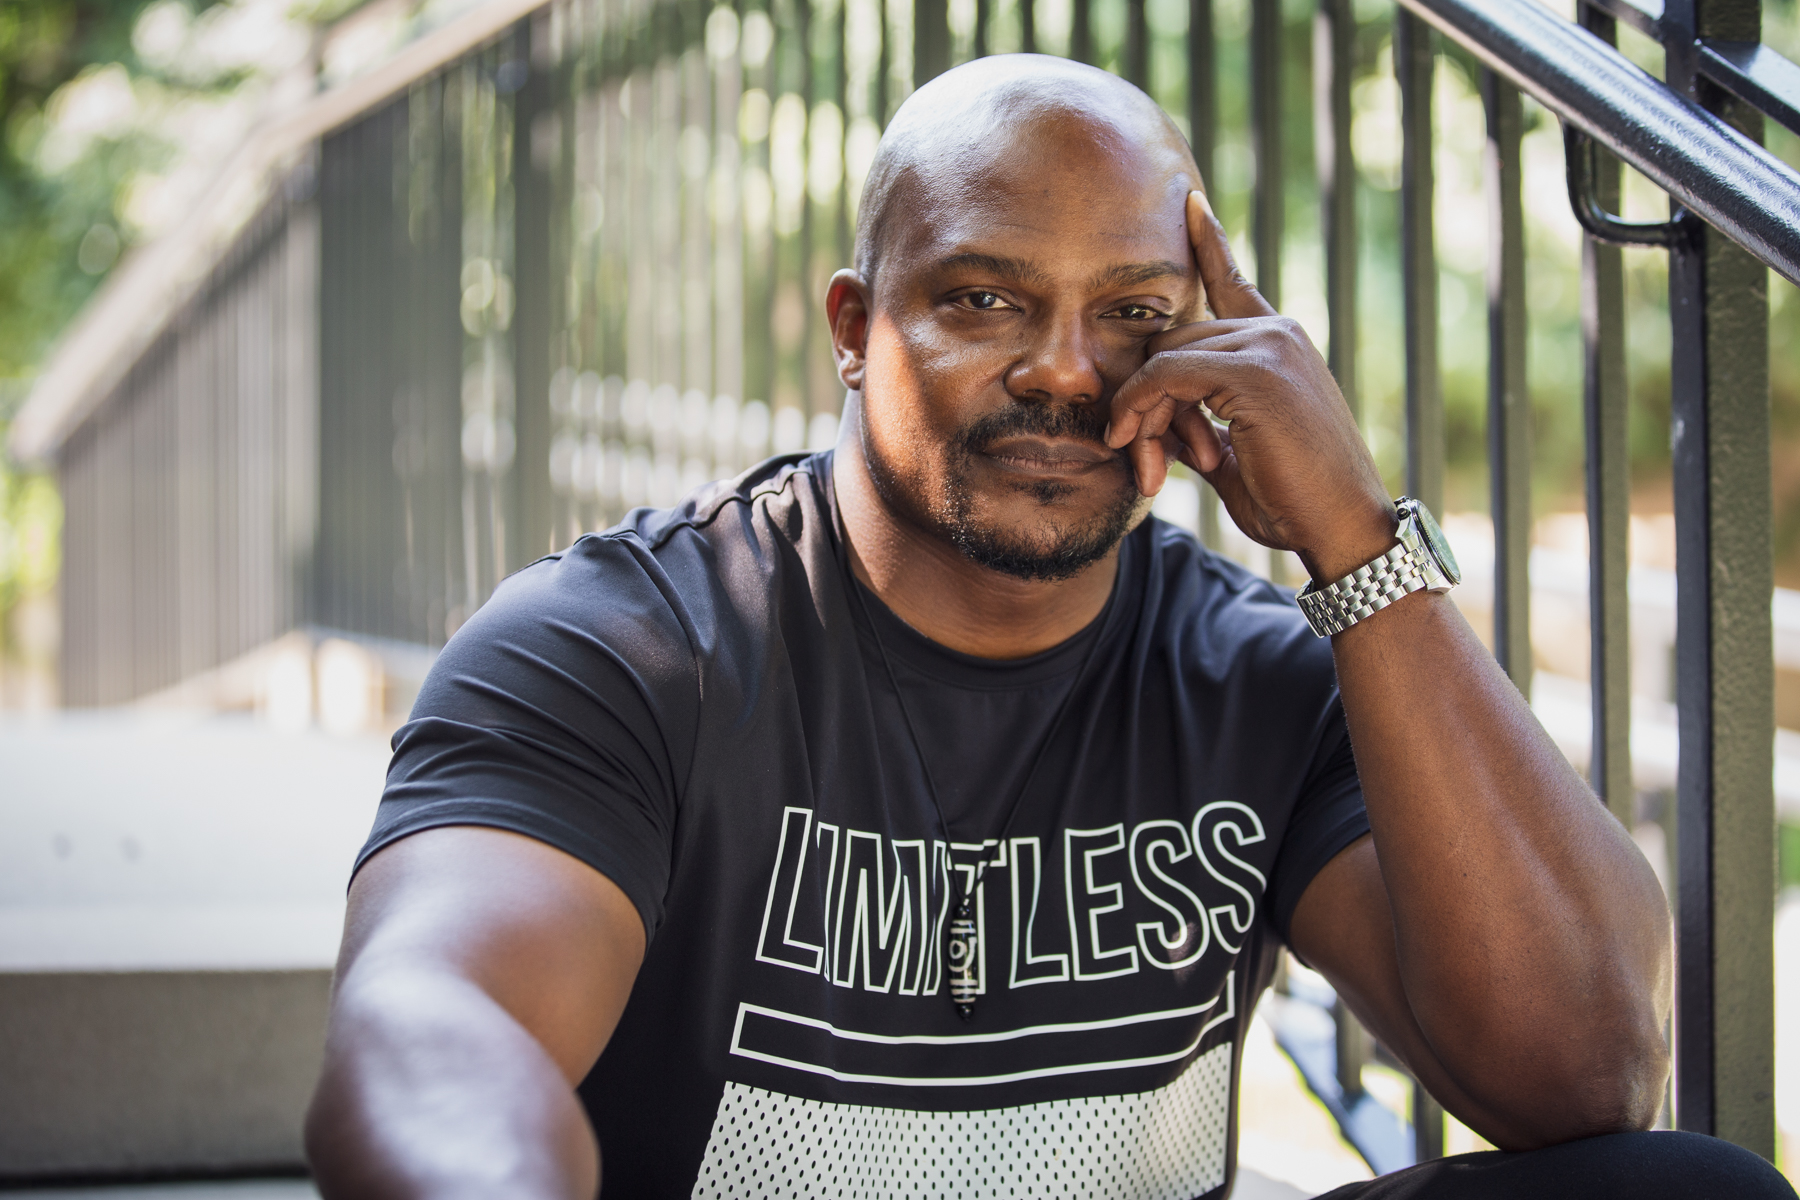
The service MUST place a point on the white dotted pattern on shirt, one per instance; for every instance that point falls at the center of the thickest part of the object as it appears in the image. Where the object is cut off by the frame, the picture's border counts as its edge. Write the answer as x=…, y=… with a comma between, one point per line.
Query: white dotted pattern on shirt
x=1167, y=1144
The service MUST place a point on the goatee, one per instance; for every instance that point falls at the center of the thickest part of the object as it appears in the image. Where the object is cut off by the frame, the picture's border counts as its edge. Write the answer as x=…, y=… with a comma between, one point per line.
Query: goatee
x=1059, y=548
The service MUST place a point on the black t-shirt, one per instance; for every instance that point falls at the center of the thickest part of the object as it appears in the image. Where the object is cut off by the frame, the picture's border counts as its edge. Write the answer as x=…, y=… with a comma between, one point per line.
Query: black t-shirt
x=696, y=704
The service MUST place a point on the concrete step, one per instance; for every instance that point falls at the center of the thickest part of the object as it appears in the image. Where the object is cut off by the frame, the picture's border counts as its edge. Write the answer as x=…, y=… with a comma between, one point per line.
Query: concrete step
x=171, y=892
x=156, y=1071
x=236, y=1189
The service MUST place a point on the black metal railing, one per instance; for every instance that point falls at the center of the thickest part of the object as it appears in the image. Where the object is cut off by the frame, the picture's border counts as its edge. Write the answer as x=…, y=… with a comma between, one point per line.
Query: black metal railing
x=190, y=491
x=1735, y=208
x=581, y=268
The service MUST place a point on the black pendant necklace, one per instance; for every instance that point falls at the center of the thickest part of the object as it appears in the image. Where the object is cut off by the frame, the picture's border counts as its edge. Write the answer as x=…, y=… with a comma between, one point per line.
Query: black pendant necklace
x=960, y=946
x=962, y=939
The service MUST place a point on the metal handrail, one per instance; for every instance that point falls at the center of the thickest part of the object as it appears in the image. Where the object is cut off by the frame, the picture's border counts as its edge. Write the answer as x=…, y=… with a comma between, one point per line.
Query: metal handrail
x=1578, y=154
x=383, y=524
x=1708, y=167
x=1756, y=75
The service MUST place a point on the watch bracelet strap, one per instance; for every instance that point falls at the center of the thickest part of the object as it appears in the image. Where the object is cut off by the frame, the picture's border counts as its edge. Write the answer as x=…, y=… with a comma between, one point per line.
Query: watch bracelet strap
x=1364, y=592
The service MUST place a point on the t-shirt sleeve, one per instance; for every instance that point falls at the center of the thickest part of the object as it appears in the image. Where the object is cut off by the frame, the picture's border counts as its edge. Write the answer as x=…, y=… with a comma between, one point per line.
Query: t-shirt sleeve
x=1328, y=816
x=564, y=710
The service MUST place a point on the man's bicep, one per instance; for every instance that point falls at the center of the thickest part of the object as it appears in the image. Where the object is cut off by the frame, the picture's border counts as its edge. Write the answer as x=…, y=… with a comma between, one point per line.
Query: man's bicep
x=553, y=941
x=566, y=710
x=1343, y=928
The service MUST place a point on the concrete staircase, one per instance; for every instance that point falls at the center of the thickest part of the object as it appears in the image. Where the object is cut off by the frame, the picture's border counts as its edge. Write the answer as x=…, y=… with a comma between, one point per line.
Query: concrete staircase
x=171, y=892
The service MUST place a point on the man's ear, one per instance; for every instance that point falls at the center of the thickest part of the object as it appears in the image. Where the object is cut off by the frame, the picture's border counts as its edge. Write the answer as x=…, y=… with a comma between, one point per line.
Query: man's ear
x=847, y=305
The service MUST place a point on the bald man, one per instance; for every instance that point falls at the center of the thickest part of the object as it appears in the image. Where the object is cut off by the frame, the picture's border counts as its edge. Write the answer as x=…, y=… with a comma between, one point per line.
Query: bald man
x=923, y=818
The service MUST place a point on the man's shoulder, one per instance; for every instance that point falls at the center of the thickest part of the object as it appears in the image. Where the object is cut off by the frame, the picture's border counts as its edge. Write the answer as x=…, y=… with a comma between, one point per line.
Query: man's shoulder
x=787, y=496
x=1222, y=615
x=667, y=572
x=647, y=604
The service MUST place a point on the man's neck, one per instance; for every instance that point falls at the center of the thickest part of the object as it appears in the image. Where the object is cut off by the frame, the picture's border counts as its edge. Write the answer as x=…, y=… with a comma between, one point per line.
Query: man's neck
x=940, y=592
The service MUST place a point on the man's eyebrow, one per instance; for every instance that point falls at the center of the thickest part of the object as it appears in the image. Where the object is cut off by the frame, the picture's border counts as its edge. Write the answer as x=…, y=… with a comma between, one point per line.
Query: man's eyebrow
x=1015, y=269
x=1130, y=274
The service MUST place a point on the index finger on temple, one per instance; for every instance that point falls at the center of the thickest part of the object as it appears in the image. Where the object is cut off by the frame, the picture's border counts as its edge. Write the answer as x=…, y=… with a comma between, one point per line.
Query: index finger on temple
x=1228, y=293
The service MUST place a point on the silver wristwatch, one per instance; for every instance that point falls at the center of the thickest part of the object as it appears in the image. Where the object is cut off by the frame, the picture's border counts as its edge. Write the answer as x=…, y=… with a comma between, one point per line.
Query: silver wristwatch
x=1421, y=562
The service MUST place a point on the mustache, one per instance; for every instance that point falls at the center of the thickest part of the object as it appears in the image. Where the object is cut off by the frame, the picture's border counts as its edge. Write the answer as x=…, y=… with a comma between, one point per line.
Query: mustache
x=1077, y=422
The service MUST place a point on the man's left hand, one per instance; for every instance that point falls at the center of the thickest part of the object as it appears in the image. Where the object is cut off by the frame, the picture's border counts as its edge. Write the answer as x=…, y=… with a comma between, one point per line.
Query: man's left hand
x=1288, y=461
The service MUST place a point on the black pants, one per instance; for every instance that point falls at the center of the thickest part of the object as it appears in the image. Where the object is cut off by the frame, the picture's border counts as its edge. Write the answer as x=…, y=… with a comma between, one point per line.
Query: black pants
x=1623, y=1166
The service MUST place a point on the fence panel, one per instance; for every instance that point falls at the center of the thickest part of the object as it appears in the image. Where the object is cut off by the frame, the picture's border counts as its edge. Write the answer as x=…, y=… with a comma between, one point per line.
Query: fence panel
x=581, y=269
x=186, y=491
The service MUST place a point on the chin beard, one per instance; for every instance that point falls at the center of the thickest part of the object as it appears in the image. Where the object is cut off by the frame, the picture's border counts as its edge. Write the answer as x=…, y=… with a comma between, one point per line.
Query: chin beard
x=1054, y=550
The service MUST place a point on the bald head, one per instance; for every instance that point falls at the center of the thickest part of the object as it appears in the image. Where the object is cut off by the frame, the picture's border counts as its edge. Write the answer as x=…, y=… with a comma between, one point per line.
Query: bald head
x=999, y=116
x=1023, y=237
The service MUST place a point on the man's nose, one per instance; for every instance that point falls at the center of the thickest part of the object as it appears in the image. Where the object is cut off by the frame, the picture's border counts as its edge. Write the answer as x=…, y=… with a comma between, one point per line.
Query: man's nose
x=1061, y=363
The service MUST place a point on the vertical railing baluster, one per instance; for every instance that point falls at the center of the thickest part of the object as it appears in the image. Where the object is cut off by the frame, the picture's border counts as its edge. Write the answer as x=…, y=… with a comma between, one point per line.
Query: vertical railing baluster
x=1605, y=407
x=728, y=260
x=826, y=392
x=569, y=282
x=841, y=44
x=441, y=346
x=533, y=193
x=1509, y=403
x=1202, y=87
x=1137, y=44
x=1268, y=204
x=699, y=370
x=1269, y=200
x=1203, y=137
x=931, y=40
x=612, y=362
x=810, y=297
x=761, y=278
x=839, y=254
x=626, y=239
x=1724, y=668
x=884, y=67
x=1352, y=1045
x=1081, y=31
x=1424, y=395
x=1028, y=26
x=1418, y=264
x=1334, y=52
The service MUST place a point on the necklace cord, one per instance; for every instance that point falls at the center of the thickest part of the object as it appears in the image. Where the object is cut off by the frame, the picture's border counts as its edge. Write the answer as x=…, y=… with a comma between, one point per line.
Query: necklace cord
x=966, y=1004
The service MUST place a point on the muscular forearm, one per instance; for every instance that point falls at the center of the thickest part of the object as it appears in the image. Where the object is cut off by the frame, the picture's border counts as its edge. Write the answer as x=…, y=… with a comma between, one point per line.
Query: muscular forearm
x=1528, y=961
x=431, y=1089
x=1532, y=938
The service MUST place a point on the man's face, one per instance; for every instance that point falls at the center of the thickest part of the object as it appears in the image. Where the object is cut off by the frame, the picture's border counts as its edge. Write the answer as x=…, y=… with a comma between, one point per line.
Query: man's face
x=1014, y=295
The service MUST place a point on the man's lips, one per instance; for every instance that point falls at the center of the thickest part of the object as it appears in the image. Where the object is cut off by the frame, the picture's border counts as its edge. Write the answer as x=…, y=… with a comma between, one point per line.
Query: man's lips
x=1049, y=456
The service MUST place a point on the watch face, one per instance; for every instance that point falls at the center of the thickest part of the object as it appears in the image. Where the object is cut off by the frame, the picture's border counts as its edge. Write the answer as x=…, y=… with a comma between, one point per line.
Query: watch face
x=1434, y=538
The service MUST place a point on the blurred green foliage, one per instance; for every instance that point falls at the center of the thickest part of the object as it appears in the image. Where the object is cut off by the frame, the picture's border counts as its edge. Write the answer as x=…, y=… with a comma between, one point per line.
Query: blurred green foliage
x=44, y=218
x=44, y=221
x=1788, y=854
x=30, y=528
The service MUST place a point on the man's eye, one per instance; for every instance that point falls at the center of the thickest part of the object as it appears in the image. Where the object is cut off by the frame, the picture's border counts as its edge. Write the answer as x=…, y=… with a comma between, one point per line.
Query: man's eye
x=1139, y=312
x=984, y=300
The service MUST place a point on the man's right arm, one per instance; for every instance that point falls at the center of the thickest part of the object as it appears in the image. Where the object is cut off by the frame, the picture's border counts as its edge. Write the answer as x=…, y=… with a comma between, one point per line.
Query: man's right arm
x=482, y=973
